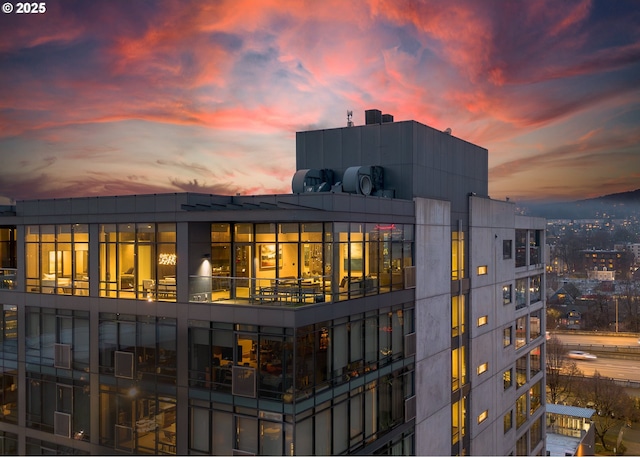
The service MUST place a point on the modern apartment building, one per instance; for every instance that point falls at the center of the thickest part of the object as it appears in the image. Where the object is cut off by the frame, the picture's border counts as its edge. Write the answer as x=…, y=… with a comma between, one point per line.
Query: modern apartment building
x=386, y=306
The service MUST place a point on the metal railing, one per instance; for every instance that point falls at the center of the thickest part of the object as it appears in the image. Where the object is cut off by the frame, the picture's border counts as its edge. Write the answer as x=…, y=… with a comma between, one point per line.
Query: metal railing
x=259, y=291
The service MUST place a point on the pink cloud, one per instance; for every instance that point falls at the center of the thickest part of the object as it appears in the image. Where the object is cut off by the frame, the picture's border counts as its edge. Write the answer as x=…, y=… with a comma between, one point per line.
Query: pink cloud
x=247, y=74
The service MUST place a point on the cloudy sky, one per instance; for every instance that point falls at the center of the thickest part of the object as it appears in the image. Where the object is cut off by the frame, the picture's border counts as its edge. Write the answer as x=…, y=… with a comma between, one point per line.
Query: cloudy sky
x=108, y=97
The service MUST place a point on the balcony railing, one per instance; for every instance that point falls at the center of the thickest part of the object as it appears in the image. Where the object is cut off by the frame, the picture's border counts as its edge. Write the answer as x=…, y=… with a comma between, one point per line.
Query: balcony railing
x=259, y=291
x=8, y=278
x=288, y=291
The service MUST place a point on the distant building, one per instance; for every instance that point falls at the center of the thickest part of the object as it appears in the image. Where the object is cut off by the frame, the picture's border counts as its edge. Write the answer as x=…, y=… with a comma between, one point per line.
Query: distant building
x=570, y=430
x=600, y=260
x=633, y=248
x=601, y=275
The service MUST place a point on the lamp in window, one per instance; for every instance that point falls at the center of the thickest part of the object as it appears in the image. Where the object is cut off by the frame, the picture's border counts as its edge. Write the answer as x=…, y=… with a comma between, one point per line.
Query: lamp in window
x=167, y=259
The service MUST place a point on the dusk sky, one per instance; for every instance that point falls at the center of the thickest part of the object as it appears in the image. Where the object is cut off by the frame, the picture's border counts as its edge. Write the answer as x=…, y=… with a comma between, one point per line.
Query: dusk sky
x=111, y=97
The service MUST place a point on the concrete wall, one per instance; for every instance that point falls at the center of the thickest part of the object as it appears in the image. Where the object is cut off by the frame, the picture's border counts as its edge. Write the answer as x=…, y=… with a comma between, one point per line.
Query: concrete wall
x=490, y=222
x=418, y=160
x=433, y=327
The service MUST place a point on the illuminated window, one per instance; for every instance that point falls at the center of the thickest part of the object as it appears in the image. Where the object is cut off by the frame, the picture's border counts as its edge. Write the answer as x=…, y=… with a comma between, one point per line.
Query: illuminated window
x=457, y=315
x=482, y=270
x=508, y=421
x=457, y=255
x=507, y=378
x=506, y=294
x=458, y=368
x=483, y=416
x=482, y=368
x=458, y=415
x=521, y=410
x=483, y=320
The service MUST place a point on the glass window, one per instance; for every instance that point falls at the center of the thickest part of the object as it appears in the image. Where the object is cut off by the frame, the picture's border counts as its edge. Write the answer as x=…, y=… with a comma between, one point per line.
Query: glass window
x=356, y=419
x=340, y=428
x=521, y=293
x=506, y=336
x=521, y=444
x=8, y=240
x=482, y=270
x=457, y=315
x=458, y=419
x=534, y=247
x=507, y=378
x=483, y=367
x=521, y=248
x=483, y=416
x=506, y=294
x=507, y=421
x=534, y=325
x=535, y=398
x=506, y=249
x=521, y=410
x=57, y=258
x=458, y=368
x=521, y=371
x=535, y=289
x=534, y=361
x=150, y=340
x=521, y=332
x=536, y=432
x=457, y=255
x=199, y=430
x=138, y=261
x=483, y=320
x=223, y=433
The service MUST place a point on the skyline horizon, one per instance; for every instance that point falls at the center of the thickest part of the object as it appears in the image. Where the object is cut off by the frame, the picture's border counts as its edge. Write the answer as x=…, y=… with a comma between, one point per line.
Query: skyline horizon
x=112, y=98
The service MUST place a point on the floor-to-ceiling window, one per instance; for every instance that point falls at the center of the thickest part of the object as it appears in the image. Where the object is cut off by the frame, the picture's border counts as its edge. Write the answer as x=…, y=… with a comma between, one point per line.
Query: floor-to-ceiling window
x=138, y=261
x=273, y=389
x=8, y=259
x=302, y=262
x=57, y=259
x=137, y=383
x=57, y=381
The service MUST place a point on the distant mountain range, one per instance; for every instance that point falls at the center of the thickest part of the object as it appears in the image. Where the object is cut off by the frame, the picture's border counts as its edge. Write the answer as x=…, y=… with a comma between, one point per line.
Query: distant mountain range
x=617, y=206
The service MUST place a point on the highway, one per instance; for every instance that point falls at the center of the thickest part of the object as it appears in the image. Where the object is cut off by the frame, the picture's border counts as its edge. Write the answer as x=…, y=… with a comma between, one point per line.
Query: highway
x=616, y=368
x=595, y=339
x=611, y=368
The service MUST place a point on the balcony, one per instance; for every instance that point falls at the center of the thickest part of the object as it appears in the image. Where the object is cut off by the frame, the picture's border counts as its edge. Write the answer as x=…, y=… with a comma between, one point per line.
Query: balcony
x=288, y=292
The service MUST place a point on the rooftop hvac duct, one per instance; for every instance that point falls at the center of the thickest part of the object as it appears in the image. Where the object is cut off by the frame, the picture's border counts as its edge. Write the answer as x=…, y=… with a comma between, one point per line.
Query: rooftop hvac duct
x=357, y=180
x=311, y=180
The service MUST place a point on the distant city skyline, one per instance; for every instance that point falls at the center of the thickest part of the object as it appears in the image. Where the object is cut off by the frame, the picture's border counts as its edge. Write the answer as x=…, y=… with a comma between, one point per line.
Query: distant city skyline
x=113, y=97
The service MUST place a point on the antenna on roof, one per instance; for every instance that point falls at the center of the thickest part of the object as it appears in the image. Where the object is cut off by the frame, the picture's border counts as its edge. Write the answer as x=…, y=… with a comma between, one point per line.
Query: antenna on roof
x=349, y=117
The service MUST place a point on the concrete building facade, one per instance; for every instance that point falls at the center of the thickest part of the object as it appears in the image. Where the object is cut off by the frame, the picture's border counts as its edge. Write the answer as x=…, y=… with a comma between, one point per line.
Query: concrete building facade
x=386, y=306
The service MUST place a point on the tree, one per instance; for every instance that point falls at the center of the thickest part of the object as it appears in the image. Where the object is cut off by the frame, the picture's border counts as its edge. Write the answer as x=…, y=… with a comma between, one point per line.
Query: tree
x=629, y=307
x=568, y=249
x=611, y=402
x=622, y=235
x=553, y=317
x=562, y=372
x=597, y=317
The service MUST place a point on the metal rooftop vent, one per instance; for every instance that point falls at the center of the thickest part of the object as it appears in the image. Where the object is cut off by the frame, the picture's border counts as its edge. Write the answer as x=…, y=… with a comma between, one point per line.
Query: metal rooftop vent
x=312, y=180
